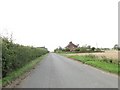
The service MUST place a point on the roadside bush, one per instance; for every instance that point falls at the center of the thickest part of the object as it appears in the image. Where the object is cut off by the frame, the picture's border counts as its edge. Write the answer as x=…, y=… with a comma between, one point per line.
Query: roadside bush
x=82, y=50
x=15, y=56
x=77, y=49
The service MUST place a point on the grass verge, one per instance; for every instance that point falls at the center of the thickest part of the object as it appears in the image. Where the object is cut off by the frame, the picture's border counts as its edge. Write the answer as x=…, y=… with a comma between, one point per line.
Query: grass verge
x=101, y=63
x=17, y=73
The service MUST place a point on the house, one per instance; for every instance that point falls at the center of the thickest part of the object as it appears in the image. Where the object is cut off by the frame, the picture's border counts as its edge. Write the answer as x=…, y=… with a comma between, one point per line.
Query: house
x=71, y=46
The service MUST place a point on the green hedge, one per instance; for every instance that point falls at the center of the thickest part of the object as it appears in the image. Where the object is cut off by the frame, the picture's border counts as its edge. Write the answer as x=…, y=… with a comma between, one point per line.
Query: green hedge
x=15, y=56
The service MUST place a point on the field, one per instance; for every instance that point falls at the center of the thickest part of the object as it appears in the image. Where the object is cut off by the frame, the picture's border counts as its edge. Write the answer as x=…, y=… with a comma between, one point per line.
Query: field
x=107, y=61
x=111, y=54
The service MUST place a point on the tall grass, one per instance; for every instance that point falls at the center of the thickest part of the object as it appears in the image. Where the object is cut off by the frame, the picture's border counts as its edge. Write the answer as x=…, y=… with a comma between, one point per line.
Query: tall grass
x=102, y=63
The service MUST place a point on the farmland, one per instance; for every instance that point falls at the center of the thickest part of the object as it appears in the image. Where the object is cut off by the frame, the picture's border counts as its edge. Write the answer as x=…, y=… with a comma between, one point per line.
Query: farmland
x=111, y=54
x=107, y=61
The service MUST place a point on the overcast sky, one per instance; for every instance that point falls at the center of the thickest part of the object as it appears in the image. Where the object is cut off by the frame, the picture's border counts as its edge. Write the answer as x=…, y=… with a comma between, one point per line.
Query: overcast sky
x=53, y=23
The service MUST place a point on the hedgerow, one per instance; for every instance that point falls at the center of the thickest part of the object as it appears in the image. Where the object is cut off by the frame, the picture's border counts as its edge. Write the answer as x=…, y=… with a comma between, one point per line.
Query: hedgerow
x=15, y=56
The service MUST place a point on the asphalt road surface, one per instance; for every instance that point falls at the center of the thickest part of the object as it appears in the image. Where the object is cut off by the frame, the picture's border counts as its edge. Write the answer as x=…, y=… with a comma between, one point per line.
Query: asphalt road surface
x=57, y=71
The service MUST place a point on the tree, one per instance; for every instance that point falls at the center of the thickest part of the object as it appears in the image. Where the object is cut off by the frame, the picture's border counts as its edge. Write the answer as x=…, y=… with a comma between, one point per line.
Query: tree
x=116, y=47
x=88, y=46
x=93, y=48
x=67, y=49
x=83, y=49
x=77, y=49
x=98, y=49
x=60, y=48
x=55, y=50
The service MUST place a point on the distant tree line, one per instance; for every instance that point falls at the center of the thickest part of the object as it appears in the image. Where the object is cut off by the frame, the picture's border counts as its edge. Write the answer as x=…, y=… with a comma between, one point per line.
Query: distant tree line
x=82, y=49
x=87, y=48
x=15, y=56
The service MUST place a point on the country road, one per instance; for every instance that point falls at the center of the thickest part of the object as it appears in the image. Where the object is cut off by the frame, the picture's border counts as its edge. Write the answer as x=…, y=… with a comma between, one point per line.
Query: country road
x=57, y=71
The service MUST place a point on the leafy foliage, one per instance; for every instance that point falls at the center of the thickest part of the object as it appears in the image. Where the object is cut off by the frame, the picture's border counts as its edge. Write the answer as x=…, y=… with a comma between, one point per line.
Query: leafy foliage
x=15, y=56
x=116, y=47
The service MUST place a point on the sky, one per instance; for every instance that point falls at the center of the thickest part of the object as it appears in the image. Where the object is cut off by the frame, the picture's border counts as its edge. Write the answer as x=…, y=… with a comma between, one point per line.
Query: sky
x=54, y=23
